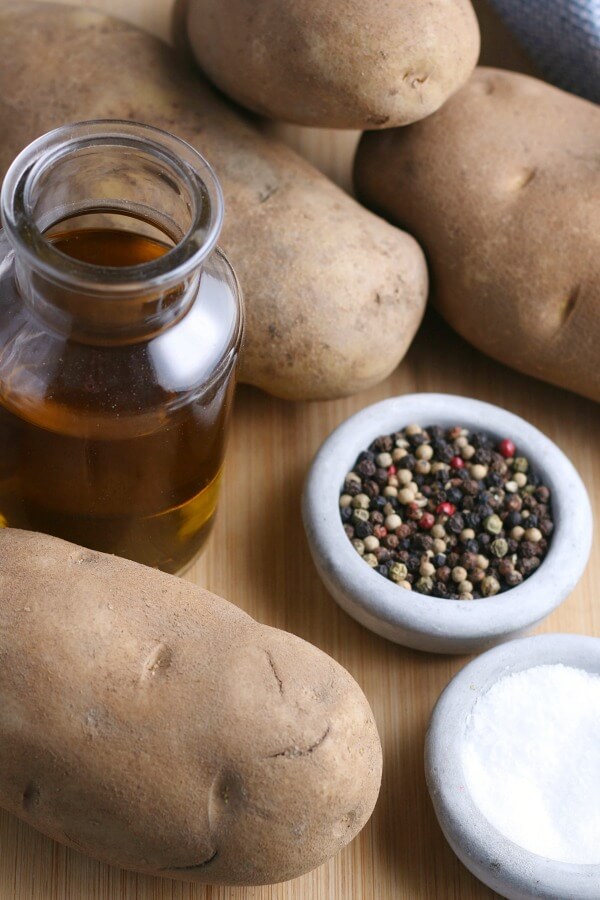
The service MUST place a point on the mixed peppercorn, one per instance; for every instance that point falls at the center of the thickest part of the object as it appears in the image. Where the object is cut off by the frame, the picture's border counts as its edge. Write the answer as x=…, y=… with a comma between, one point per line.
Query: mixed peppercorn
x=447, y=512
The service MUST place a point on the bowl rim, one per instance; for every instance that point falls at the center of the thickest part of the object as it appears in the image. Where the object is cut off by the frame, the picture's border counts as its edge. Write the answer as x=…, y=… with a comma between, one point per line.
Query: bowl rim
x=496, y=860
x=386, y=607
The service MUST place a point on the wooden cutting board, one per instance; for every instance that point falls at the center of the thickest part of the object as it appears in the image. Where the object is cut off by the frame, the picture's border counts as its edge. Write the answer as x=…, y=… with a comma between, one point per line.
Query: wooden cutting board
x=257, y=557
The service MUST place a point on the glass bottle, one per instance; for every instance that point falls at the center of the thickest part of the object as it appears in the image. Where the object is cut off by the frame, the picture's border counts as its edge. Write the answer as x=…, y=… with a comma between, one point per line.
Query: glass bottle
x=120, y=329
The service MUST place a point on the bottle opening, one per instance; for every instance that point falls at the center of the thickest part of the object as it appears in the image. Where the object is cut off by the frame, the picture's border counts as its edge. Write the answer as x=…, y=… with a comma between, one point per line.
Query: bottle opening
x=109, y=239
x=119, y=177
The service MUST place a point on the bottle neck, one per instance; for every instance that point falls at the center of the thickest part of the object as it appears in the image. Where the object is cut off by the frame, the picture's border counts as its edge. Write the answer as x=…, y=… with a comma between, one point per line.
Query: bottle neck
x=143, y=189
x=104, y=318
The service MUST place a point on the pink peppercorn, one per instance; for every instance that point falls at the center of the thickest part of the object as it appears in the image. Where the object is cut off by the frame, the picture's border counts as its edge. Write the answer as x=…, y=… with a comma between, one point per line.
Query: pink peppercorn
x=392, y=470
x=447, y=509
x=457, y=462
x=427, y=521
x=380, y=531
x=507, y=448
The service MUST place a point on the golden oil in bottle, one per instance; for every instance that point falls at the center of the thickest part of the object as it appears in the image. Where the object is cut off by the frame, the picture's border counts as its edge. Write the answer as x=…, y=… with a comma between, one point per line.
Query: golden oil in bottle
x=116, y=385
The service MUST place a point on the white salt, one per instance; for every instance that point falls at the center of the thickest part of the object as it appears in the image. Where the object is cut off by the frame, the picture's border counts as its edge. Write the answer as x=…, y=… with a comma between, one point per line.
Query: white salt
x=532, y=761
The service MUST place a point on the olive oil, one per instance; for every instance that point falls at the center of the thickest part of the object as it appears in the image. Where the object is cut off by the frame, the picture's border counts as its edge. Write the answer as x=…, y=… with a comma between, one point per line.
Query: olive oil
x=107, y=454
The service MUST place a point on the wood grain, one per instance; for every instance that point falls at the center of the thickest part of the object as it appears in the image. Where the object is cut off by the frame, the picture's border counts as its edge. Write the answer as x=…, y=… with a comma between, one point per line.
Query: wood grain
x=258, y=558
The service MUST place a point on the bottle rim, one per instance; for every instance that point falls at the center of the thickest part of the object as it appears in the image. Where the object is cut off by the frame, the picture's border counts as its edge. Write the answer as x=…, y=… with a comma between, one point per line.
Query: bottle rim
x=185, y=257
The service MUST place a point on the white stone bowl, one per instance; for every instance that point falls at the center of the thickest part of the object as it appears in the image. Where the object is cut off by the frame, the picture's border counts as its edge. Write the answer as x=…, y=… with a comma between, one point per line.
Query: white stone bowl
x=507, y=868
x=430, y=623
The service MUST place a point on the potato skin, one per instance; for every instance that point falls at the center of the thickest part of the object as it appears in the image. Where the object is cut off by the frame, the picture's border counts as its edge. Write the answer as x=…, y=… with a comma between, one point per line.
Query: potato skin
x=502, y=188
x=153, y=725
x=336, y=63
x=334, y=295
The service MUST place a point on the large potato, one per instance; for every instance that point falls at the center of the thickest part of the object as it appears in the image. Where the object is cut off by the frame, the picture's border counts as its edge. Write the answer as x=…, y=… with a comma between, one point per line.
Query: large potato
x=334, y=294
x=148, y=723
x=336, y=63
x=502, y=187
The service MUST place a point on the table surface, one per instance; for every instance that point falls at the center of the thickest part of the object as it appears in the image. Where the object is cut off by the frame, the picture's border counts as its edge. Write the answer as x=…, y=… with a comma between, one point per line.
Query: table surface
x=258, y=558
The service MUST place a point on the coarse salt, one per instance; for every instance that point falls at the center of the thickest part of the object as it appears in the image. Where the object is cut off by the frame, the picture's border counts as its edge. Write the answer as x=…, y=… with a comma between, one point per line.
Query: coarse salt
x=531, y=761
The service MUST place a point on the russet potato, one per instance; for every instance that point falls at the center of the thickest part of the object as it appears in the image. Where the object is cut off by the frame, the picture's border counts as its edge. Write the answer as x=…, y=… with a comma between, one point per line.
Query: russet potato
x=335, y=63
x=153, y=725
x=502, y=188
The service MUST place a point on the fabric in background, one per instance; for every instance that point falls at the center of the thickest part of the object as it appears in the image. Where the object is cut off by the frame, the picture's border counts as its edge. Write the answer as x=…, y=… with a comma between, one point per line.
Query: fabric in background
x=562, y=36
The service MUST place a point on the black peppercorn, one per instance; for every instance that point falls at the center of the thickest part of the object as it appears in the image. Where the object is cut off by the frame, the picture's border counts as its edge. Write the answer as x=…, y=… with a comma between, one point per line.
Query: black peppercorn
x=366, y=468
x=455, y=523
x=512, y=519
x=383, y=444
x=371, y=489
x=363, y=530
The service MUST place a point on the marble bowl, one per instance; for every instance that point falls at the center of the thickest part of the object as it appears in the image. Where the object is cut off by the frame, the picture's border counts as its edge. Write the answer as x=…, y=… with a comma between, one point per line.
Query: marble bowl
x=430, y=623
x=512, y=871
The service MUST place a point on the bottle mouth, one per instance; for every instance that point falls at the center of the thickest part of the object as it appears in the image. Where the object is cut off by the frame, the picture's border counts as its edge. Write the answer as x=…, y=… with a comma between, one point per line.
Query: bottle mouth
x=112, y=167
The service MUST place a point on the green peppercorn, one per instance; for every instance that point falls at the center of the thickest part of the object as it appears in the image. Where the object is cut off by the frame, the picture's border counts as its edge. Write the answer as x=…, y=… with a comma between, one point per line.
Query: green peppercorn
x=490, y=586
x=371, y=560
x=424, y=585
x=493, y=524
x=359, y=546
x=398, y=572
x=521, y=464
x=360, y=515
x=499, y=547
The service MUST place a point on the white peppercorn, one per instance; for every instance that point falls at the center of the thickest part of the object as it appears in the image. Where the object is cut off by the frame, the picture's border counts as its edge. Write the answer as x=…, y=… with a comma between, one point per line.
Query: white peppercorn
x=392, y=522
x=371, y=543
x=424, y=451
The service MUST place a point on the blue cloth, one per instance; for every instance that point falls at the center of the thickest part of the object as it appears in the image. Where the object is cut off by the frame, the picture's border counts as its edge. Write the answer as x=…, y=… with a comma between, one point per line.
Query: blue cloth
x=562, y=36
